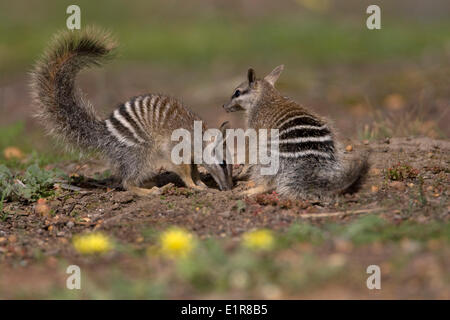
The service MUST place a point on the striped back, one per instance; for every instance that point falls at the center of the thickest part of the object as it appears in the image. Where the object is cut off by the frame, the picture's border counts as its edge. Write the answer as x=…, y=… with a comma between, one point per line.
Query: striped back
x=136, y=121
x=301, y=135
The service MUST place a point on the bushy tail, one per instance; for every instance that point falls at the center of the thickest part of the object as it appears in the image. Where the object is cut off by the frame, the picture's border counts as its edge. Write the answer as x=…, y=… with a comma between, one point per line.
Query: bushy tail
x=60, y=103
x=315, y=179
x=349, y=174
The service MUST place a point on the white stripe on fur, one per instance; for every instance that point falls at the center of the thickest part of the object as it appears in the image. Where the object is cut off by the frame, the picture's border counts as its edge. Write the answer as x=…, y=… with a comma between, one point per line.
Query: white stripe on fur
x=307, y=139
x=303, y=154
x=127, y=125
x=117, y=134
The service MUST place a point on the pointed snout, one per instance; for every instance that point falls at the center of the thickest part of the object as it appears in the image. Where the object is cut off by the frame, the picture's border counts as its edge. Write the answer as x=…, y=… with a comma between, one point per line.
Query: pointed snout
x=226, y=107
x=229, y=107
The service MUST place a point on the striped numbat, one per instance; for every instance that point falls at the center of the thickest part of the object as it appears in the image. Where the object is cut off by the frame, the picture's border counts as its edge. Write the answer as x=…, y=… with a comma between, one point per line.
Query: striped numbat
x=136, y=138
x=310, y=159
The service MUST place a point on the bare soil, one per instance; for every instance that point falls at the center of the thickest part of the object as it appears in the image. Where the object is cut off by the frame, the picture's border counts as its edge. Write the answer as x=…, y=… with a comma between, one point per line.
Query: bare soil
x=103, y=205
x=28, y=239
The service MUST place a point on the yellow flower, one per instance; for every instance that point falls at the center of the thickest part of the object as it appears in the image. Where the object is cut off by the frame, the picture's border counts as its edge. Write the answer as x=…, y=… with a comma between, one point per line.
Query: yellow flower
x=258, y=240
x=176, y=243
x=92, y=243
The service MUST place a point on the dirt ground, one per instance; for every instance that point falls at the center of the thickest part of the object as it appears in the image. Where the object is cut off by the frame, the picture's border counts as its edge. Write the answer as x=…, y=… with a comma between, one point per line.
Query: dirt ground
x=102, y=205
x=212, y=213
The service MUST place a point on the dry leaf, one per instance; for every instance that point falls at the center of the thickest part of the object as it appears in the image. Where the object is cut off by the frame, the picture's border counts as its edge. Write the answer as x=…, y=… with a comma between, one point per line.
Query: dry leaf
x=251, y=184
x=374, y=171
x=13, y=153
x=42, y=208
x=397, y=185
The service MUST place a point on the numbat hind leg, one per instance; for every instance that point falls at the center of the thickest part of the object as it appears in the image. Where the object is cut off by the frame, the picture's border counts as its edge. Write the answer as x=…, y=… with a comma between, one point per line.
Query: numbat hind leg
x=132, y=187
x=257, y=190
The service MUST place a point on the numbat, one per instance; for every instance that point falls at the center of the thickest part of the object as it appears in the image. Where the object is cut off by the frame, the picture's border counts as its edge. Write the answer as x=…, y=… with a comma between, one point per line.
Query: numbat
x=310, y=160
x=136, y=138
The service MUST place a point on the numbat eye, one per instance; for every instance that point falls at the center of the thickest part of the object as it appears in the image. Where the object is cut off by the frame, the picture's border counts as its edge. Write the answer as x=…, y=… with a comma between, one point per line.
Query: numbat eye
x=236, y=94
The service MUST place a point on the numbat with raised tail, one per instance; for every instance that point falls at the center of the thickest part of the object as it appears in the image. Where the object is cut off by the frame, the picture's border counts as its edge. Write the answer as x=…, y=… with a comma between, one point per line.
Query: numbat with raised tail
x=136, y=138
x=310, y=159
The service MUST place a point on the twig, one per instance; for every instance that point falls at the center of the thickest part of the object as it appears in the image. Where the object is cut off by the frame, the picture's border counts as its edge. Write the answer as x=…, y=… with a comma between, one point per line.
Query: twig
x=74, y=188
x=20, y=183
x=338, y=213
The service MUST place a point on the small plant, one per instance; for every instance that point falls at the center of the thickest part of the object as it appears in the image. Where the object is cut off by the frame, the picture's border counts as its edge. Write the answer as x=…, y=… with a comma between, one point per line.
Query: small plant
x=175, y=191
x=33, y=184
x=266, y=199
x=422, y=198
x=272, y=199
x=170, y=205
x=240, y=206
x=400, y=172
x=3, y=214
x=287, y=204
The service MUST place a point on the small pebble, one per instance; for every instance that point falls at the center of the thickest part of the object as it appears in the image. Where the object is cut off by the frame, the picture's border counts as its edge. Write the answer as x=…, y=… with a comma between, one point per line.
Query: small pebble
x=397, y=185
x=224, y=214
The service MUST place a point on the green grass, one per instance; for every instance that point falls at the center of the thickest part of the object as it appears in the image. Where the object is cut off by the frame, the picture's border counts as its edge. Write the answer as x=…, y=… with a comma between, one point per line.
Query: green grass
x=197, y=39
x=367, y=229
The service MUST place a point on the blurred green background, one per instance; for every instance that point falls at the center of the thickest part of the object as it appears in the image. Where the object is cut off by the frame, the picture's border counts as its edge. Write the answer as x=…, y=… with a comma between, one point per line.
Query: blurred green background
x=200, y=33
x=372, y=83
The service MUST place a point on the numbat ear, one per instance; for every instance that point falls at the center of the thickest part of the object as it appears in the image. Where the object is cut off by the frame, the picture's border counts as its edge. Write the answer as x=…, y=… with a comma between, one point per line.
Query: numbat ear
x=274, y=75
x=251, y=76
x=223, y=127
